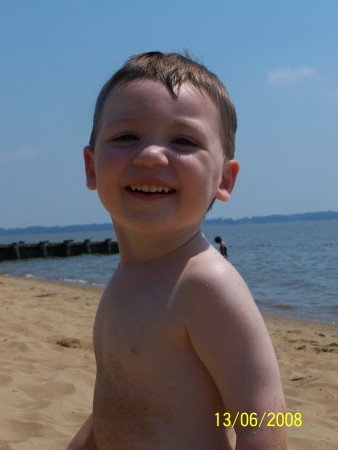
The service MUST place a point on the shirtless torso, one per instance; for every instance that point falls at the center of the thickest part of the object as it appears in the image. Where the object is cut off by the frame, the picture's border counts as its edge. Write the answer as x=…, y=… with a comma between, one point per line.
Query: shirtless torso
x=152, y=391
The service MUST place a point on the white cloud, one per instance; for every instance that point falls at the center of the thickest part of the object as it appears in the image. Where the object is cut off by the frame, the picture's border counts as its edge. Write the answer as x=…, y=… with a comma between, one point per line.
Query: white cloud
x=289, y=75
x=20, y=154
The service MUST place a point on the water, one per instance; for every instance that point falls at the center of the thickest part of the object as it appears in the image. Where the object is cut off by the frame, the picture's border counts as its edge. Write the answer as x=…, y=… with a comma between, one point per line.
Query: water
x=291, y=268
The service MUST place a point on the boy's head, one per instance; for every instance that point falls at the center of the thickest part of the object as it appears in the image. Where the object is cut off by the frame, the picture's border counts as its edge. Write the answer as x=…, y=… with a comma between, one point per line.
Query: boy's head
x=173, y=70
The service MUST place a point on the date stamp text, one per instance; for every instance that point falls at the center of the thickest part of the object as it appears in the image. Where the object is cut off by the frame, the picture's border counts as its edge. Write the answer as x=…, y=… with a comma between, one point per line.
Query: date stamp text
x=252, y=419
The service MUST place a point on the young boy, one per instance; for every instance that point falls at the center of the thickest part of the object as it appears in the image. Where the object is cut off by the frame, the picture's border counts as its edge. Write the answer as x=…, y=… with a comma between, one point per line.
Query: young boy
x=183, y=356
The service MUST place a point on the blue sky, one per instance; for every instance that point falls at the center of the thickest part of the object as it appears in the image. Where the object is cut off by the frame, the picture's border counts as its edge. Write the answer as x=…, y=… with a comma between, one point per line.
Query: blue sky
x=278, y=59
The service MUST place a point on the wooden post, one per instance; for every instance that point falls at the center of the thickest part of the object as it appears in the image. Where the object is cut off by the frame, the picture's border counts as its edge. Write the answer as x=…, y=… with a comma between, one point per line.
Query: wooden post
x=43, y=248
x=108, y=246
x=67, y=245
x=16, y=250
x=87, y=246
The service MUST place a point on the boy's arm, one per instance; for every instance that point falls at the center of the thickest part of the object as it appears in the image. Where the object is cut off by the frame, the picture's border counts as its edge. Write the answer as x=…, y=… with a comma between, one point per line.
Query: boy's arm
x=228, y=334
x=84, y=438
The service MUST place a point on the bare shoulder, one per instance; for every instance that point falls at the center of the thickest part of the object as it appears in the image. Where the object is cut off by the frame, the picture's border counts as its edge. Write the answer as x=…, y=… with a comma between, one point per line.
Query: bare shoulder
x=229, y=335
x=213, y=282
x=217, y=296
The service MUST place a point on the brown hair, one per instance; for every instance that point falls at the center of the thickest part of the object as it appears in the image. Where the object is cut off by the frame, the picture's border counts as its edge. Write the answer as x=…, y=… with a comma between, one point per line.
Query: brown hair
x=173, y=70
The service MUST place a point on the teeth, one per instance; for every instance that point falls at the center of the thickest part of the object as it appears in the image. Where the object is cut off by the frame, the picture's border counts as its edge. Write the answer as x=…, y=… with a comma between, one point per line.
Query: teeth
x=150, y=188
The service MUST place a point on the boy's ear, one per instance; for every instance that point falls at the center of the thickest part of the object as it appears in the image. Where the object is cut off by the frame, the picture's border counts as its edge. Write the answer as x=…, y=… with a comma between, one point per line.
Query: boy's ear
x=89, y=167
x=228, y=180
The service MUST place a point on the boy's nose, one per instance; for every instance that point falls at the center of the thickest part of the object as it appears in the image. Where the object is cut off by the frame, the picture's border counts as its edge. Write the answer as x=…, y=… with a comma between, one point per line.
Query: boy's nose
x=151, y=156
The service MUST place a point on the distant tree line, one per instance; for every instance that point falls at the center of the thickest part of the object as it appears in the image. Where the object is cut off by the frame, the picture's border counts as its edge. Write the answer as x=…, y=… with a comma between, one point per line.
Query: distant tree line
x=273, y=218
x=276, y=218
x=64, y=229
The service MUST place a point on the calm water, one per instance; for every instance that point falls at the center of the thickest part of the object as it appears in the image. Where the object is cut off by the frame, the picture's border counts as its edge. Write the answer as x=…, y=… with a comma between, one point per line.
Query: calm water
x=291, y=268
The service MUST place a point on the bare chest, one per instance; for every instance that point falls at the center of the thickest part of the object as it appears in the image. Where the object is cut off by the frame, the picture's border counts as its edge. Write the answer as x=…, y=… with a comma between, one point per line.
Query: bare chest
x=151, y=389
x=137, y=323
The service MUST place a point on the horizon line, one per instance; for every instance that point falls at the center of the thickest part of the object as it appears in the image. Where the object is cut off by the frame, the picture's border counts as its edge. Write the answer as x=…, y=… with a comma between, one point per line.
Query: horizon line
x=246, y=219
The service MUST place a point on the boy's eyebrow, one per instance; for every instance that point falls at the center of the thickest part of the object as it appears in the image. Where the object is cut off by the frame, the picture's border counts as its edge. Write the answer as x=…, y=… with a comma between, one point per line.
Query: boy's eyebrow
x=194, y=125
x=190, y=123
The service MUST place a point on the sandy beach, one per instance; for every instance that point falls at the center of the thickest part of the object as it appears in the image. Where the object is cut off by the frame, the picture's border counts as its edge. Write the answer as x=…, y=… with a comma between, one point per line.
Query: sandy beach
x=47, y=367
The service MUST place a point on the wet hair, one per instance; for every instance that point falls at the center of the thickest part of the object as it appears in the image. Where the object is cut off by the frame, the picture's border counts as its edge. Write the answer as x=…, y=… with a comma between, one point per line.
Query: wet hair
x=173, y=70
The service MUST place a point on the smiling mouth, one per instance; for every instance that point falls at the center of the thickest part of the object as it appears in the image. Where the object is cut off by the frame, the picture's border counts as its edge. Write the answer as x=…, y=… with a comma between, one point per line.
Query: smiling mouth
x=150, y=189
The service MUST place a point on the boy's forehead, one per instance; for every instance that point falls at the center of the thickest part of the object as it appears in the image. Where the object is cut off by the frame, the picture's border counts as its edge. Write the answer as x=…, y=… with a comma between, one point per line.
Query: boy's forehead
x=124, y=97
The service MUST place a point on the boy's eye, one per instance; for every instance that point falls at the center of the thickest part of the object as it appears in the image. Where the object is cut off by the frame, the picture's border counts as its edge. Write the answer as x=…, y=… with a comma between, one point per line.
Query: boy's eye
x=184, y=142
x=126, y=138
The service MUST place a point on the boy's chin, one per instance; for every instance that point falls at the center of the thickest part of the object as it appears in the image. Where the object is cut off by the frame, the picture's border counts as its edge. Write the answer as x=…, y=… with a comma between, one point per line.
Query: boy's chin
x=150, y=225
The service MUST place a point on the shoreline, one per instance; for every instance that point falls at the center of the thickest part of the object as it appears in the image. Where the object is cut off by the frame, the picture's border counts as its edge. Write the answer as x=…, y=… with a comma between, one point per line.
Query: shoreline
x=263, y=311
x=47, y=367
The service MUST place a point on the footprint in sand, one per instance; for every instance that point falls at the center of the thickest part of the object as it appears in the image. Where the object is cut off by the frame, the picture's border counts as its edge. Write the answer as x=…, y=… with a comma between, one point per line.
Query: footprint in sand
x=4, y=381
x=19, y=429
x=48, y=390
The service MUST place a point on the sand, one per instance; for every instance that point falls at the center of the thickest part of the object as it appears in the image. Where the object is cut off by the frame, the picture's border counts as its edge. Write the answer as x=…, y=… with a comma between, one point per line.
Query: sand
x=47, y=367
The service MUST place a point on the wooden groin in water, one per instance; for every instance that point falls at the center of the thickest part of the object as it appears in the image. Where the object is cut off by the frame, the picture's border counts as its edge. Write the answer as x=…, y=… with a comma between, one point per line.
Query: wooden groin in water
x=46, y=249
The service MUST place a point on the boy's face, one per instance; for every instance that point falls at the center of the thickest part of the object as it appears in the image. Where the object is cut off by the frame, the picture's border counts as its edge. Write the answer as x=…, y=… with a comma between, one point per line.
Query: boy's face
x=158, y=161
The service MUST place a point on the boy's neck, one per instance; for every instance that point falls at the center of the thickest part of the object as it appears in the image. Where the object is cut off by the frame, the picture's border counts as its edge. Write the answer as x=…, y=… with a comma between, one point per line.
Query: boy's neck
x=139, y=248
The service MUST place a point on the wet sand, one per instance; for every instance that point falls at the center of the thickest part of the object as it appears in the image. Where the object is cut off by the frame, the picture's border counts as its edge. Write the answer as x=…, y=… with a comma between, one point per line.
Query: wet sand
x=47, y=367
